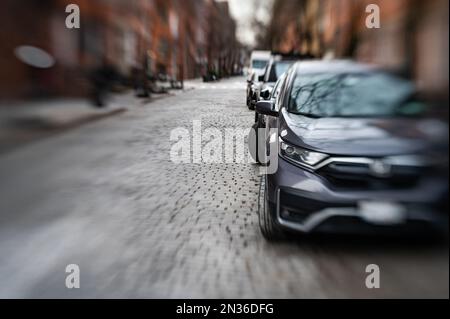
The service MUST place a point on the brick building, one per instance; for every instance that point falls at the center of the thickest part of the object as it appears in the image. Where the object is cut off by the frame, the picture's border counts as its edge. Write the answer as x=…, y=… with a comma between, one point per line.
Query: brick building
x=177, y=39
x=413, y=37
x=111, y=32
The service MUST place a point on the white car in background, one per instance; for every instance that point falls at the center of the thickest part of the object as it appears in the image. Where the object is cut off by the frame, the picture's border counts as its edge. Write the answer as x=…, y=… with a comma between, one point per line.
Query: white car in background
x=258, y=63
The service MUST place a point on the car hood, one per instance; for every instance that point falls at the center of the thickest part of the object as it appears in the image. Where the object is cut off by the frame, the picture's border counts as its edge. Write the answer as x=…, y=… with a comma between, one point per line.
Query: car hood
x=364, y=136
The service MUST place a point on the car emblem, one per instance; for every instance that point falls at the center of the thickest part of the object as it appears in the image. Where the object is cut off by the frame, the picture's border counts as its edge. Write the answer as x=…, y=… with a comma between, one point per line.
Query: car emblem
x=380, y=168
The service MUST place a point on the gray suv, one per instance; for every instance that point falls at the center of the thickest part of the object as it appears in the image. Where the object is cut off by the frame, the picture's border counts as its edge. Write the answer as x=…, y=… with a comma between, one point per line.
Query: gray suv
x=357, y=151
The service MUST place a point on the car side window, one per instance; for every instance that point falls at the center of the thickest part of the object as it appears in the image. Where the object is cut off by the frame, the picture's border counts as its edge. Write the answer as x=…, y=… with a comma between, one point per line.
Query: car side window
x=276, y=89
x=278, y=99
x=280, y=96
x=267, y=71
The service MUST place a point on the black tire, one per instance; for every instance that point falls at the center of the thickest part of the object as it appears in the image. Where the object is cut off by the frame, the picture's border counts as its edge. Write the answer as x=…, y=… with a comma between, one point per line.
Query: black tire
x=251, y=107
x=253, y=143
x=267, y=224
x=248, y=103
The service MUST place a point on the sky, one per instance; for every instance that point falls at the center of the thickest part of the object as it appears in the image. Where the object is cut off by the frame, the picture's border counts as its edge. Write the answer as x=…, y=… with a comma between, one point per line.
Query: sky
x=244, y=11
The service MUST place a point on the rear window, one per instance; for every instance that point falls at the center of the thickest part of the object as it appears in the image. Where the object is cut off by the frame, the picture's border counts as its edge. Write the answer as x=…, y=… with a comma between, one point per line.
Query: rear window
x=259, y=64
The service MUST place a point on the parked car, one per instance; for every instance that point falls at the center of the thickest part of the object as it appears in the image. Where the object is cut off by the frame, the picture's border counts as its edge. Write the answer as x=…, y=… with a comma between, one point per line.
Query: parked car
x=258, y=61
x=357, y=152
x=260, y=118
x=271, y=95
x=262, y=86
x=252, y=86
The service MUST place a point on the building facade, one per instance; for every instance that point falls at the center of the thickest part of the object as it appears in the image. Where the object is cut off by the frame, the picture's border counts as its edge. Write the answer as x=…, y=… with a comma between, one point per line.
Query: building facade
x=412, y=39
x=171, y=39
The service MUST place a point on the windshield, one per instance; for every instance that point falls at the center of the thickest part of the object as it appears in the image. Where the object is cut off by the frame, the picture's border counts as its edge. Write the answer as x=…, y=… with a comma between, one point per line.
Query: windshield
x=259, y=64
x=366, y=94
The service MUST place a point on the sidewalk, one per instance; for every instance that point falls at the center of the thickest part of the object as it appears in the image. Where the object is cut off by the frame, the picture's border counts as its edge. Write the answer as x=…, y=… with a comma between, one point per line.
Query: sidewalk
x=24, y=122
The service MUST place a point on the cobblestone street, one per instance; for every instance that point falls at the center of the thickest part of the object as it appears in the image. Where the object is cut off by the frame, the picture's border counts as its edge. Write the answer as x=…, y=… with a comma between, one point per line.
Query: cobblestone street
x=107, y=197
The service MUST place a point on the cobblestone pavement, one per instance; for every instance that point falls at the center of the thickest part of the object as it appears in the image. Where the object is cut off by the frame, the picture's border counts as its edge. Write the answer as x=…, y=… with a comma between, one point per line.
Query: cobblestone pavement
x=107, y=197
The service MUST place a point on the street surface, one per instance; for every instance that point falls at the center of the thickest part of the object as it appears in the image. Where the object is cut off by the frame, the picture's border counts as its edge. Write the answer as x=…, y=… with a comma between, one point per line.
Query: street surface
x=107, y=197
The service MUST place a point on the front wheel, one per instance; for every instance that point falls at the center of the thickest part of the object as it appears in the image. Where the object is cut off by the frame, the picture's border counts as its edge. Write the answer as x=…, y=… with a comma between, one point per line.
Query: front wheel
x=248, y=101
x=267, y=224
x=255, y=143
x=250, y=105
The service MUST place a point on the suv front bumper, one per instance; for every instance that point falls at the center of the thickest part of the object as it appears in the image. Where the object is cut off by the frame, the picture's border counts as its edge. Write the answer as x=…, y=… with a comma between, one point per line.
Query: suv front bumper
x=304, y=201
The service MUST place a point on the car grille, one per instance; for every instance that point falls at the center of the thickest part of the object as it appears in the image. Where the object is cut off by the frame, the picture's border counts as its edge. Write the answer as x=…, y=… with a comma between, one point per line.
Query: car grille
x=360, y=176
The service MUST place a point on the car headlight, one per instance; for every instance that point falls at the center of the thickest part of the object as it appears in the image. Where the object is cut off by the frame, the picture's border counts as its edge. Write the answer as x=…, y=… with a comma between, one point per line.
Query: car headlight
x=299, y=155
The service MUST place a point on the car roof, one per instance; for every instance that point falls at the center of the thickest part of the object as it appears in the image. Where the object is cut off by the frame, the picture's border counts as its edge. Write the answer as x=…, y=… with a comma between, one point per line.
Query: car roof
x=260, y=55
x=284, y=58
x=332, y=66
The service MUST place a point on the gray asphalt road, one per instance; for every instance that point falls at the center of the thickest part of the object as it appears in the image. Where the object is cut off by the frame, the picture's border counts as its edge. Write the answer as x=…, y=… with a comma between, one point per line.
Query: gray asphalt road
x=106, y=197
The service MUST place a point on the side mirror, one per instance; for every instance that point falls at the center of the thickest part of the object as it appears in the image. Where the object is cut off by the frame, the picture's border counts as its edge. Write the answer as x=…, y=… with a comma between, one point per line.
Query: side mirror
x=266, y=108
x=265, y=93
x=261, y=78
